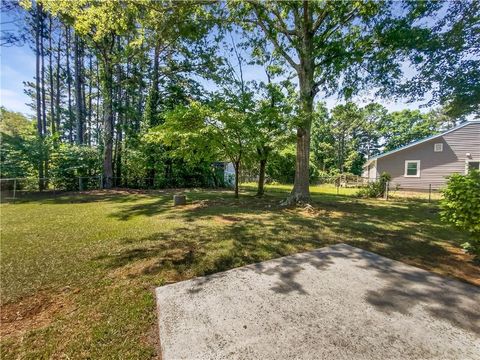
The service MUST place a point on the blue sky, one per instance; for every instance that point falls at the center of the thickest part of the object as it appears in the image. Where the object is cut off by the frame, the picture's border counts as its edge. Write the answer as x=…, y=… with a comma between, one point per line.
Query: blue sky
x=17, y=65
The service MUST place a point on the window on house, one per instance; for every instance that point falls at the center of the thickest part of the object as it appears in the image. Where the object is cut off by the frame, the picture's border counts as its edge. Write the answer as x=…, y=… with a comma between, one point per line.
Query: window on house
x=438, y=147
x=412, y=168
x=472, y=165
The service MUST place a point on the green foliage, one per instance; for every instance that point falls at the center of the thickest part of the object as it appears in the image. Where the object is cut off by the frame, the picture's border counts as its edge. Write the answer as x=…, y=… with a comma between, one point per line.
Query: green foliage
x=403, y=127
x=281, y=166
x=69, y=162
x=20, y=147
x=445, y=53
x=460, y=206
x=376, y=188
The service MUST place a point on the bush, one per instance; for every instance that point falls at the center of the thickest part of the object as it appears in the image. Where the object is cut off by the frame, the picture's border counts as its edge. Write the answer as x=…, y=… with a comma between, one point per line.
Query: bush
x=375, y=189
x=460, y=206
x=69, y=162
x=281, y=167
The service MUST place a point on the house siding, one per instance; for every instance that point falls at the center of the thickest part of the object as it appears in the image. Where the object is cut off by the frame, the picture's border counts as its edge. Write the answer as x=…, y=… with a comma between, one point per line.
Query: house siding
x=434, y=166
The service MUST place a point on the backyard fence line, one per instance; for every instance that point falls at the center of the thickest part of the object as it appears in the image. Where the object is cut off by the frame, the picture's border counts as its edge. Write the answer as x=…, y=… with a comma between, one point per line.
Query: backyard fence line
x=12, y=189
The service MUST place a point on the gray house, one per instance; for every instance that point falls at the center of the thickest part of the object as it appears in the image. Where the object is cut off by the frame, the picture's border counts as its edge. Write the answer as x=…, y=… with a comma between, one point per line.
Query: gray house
x=429, y=161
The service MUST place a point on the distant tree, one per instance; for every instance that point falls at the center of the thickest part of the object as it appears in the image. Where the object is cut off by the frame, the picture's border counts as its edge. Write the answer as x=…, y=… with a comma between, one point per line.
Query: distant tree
x=403, y=127
x=346, y=120
x=323, y=142
x=369, y=134
x=208, y=132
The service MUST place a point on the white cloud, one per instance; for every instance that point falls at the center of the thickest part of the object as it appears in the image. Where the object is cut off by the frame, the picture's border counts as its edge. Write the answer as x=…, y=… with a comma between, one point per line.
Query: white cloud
x=12, y=100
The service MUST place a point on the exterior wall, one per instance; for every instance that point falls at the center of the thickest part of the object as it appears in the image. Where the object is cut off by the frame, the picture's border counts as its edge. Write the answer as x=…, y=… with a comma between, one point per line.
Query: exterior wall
x=229, y=174
x=434, y=166
x=370, y=171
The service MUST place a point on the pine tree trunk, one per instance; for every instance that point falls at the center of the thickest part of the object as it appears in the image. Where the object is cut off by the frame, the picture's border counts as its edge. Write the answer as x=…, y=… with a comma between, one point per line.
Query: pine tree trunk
x=97, y=115
x=78, y=90
x=107, y=87
x=89, y=112
x=44, y=101
x=38, y=94
x=50, y=68
x=57, y=74
x=69, y=87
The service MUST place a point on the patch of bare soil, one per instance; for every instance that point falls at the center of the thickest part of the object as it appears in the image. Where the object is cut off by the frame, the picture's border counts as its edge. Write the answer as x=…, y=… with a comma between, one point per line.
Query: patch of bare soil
x=310, y=211
x=152, y=337
x=32, y=312
x=193, y=206
x=137, y=268
x=227, y=219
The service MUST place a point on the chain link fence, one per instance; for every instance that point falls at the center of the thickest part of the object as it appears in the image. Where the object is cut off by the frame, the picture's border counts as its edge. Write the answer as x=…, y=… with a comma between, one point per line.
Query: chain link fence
x=13, y=189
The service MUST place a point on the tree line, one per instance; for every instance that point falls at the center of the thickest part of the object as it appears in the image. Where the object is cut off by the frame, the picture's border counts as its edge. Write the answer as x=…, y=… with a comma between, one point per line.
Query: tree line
x=159, y=90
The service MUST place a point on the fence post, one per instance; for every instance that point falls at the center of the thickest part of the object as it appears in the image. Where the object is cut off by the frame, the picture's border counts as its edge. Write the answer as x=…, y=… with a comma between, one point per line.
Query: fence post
x=387, y=186
x=429, y=192
x=14, y=189
x=79, y=183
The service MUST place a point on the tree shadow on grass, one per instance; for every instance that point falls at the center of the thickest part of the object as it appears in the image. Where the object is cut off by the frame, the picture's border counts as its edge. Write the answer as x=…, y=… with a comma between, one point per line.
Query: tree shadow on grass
x=94, y=196
x=234, y=233
x=207, y=251
x=151, y=208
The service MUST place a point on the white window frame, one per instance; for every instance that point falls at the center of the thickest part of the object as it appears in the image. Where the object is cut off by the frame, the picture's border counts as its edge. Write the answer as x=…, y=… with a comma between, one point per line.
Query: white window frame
x=418, y=168
x=435, y=147
x=469, y=161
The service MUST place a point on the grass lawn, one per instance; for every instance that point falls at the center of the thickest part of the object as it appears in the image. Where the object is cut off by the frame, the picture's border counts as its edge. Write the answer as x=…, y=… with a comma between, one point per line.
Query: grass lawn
x=78, y=271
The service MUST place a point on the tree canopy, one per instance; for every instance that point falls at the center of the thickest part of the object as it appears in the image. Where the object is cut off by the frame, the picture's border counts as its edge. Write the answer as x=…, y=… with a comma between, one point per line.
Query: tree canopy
x=154, y=93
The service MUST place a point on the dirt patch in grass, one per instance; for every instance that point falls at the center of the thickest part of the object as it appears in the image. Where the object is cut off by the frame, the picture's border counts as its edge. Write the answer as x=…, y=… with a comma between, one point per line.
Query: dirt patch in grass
x=152, y=338
x=140, y=267
x=33, y=312
x=225, y=219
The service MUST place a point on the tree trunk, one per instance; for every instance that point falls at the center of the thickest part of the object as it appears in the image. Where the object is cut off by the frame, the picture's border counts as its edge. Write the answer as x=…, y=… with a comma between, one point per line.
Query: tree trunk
x=236, y=165
x=57, y=99
x=97, y=115
x=301, y=190
x=50, y=68
x=89, y=112
x=38, y=94
x=106, y=84
x=42, y=78
x=305, y=71
x=69, y=88
x=261, y=177
x=78, y=91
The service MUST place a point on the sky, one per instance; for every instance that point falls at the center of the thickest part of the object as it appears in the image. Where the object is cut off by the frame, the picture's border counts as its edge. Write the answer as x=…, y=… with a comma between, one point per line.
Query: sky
x=17, y=65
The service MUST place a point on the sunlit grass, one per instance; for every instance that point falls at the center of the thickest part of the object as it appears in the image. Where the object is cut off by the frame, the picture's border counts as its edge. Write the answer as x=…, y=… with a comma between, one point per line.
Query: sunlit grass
x=78, y=270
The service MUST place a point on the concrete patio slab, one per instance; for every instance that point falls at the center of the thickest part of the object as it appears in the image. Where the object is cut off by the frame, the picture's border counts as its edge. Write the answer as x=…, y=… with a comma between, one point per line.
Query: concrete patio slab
x=337, y=302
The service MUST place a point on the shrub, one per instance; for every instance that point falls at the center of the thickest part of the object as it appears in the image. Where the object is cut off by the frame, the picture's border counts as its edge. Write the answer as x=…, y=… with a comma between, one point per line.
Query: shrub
x=375, y=189
x=460, y=206
x=69, y=162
